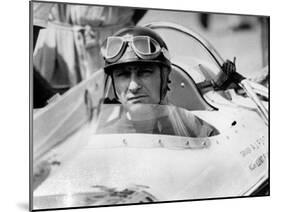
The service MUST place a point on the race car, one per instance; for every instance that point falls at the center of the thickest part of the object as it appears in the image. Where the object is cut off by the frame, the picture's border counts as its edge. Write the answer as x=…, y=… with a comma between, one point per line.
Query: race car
x=88, y=153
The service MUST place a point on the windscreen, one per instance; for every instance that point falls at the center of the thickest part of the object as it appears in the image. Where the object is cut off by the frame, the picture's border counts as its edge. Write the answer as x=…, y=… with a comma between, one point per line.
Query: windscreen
x=151, y=119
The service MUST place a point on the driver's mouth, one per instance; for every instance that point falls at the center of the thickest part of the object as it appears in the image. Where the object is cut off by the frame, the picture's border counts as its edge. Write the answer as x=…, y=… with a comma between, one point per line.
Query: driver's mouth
x=137, y=98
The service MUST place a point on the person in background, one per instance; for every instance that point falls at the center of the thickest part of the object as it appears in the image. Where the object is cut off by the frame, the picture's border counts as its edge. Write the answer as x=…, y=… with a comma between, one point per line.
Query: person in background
x=42, y=90
x=68, y=50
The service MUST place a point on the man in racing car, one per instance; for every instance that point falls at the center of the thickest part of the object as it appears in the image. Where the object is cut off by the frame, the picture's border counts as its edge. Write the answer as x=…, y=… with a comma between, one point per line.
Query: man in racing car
x=138, y=62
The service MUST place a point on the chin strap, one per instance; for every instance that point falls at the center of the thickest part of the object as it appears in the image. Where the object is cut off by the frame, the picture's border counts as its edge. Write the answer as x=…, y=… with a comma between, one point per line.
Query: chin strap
x=113, y=85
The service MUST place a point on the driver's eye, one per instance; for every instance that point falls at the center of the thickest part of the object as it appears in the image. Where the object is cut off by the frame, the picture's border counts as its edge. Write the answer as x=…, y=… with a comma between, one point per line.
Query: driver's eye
x=145, y=72
x=122, y=74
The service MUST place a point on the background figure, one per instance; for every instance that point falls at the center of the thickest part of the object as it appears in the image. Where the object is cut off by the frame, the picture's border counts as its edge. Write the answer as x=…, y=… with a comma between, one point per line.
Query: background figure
x=42, y=91
x=68, y=50
x=204, y=19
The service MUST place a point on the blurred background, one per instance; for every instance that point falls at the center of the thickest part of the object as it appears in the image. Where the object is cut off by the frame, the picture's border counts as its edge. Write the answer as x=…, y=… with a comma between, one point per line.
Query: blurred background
x=67, y=40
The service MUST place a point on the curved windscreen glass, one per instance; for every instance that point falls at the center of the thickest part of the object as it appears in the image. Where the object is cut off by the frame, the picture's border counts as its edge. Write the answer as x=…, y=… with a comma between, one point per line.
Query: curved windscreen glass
x=151, y=119
x=200, y=65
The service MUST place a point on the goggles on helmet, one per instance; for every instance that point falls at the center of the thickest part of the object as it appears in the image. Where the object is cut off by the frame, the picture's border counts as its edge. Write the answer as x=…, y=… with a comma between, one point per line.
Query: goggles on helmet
x=144, y=47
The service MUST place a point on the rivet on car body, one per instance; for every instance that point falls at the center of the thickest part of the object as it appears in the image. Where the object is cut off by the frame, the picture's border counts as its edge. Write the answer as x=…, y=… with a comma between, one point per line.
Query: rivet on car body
x=160, y=143
x=124, y=142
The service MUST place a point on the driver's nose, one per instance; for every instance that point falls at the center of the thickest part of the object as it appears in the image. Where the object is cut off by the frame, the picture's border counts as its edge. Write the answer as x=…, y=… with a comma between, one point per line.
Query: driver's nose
x=134, y=84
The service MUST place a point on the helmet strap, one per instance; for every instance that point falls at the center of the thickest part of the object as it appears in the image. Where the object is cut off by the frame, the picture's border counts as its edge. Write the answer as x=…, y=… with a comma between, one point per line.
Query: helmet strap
x=113, y=85
x=164, y=76
x=161, y=85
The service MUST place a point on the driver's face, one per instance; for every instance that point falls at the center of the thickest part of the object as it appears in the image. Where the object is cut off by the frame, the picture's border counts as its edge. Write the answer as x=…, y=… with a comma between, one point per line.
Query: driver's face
x=138, y=83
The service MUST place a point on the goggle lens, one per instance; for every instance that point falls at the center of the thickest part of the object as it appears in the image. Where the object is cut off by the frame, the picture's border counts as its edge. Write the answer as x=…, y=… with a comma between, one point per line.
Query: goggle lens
x=142, y=44
x=113, y=47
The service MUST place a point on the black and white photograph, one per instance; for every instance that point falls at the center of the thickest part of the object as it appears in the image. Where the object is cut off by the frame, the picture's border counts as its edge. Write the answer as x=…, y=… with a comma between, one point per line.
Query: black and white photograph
x=137, y=105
